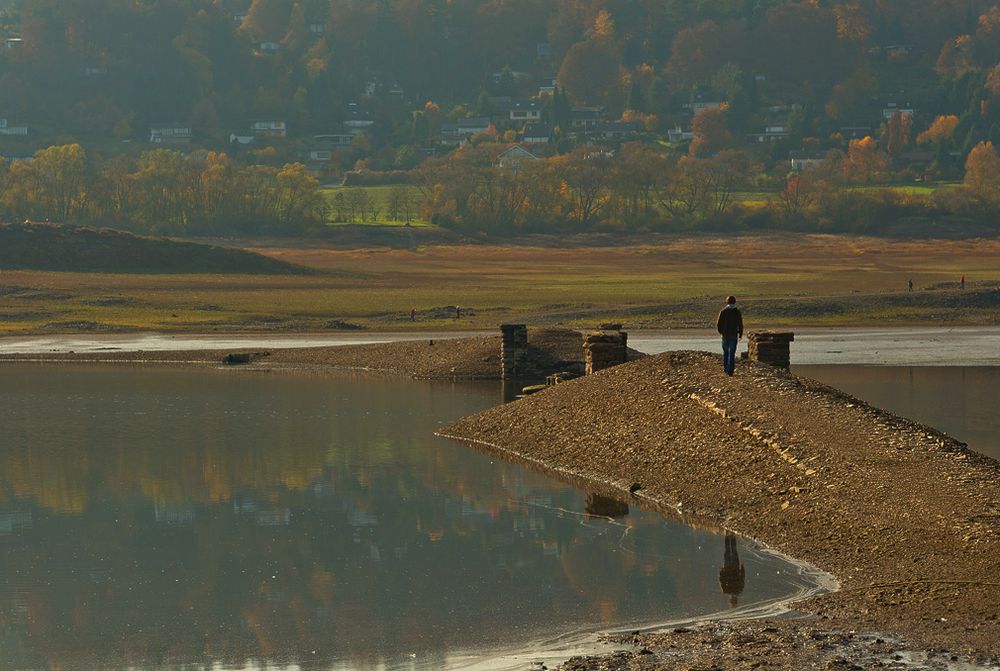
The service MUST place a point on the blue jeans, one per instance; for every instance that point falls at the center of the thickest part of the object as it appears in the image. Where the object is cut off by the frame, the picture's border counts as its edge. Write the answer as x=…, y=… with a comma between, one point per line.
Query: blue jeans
x=729, y=354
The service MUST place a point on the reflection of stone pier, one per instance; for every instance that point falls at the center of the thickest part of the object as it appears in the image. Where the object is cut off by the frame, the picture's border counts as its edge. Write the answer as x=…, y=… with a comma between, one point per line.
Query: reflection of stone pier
x=604, y=506
x=604, y=349
x=513, y=350
x=770, y=347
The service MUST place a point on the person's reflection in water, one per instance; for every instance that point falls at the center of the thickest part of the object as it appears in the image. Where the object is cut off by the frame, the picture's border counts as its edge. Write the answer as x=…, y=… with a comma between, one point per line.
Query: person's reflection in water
x=732, y=576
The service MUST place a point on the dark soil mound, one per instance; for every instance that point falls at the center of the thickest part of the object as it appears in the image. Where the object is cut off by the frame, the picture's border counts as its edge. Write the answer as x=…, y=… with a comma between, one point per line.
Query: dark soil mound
x=83, y=249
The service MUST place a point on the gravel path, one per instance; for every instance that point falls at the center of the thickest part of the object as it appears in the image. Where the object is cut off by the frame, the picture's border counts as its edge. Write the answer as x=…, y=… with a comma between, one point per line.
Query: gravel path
x=906, y=518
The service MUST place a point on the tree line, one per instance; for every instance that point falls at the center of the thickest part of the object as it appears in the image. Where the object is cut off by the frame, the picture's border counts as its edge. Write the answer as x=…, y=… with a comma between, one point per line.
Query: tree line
x=161, y=191
x=642, y=188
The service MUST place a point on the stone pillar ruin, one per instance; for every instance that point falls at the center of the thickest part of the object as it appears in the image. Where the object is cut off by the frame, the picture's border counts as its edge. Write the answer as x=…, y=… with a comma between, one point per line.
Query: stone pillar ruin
x=603, y=349
x=513, y=350
x=770, y=347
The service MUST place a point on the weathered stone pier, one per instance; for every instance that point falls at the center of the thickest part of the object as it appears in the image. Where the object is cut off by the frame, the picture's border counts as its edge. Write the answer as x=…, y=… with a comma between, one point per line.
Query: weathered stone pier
x=603, y=349
x=770, y=347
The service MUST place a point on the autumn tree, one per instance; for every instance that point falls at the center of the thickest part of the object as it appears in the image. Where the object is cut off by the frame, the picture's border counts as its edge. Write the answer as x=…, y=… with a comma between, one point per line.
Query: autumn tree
x=58, y=180
x=591, y=73
x=898, y=133
x=982, y=172
x=941, y=130
x=711, y=132
x=865, y=162
x=585, y=183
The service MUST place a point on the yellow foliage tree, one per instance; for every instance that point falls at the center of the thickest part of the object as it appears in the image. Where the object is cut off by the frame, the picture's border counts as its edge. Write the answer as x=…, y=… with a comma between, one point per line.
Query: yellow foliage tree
x=982, y=171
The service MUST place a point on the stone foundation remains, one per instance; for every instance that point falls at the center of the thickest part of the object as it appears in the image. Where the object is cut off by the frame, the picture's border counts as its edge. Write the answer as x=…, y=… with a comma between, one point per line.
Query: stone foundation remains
x=770, y=347
x=513, y=350
x=603, y=349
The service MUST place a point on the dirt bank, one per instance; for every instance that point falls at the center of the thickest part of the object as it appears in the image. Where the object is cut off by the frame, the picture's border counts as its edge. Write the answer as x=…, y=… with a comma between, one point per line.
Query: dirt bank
x=905, y=517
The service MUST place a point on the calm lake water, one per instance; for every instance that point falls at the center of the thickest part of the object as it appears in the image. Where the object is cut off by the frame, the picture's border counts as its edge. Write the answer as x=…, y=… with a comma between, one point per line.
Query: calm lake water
x=158, y=518
x=959, y=400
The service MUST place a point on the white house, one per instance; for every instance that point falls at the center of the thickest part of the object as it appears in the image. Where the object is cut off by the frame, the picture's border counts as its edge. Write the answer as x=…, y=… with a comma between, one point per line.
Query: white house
x=170, y=132
x=525, y=111
x=804, y=160
x=7, y=128
x=892, y=108
x=512, y=158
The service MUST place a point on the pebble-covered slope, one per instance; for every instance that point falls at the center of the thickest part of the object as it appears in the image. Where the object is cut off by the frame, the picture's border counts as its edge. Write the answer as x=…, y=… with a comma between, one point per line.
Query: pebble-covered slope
x=905, y=517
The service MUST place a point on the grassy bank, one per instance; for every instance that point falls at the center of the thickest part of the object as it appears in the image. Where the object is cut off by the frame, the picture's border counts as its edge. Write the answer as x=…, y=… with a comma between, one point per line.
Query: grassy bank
x=665, y=282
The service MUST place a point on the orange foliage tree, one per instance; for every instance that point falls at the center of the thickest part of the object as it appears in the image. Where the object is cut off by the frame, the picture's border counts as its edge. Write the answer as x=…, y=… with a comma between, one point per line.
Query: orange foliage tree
x=711, y=133
x=940, y=130
x=865, y=161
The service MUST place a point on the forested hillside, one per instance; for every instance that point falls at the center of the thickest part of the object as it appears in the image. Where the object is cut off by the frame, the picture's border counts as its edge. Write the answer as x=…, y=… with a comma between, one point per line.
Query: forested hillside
x=111, y=68
x=874, y=90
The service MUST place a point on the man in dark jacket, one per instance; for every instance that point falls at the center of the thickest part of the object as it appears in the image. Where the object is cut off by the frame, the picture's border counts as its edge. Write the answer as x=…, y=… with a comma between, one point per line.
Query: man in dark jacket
x=730, y=326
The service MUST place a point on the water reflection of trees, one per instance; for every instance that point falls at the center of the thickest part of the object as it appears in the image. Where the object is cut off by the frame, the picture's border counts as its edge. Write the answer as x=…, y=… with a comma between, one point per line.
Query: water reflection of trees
x=266, y=522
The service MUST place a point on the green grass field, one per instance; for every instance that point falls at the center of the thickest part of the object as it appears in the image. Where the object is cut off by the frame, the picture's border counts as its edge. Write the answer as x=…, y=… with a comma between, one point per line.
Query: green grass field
x=671, y=283
x=376, y=204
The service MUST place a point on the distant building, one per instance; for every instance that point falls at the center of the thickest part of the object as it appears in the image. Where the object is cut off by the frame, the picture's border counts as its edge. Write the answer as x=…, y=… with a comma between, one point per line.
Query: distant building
x=466, y=127
x=678, y=134
x=525, y=111
x=585, y=118
x=357, y=120
x=329, y=140
x=268, y=47
x=805, y=160
x=543, y=50
x=8, y=128
x=13, y=43
x=171, y=132
x=537, y=133
x=892, y=108
x=617, y=131
x=512, y=158
x=770, y=134
x=269, y=128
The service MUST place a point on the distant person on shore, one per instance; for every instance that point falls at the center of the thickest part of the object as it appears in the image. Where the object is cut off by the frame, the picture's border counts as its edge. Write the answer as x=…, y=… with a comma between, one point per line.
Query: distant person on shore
x=910, y=285
x=730, y=327
x=961, y=282
x=458, y=312
x=413, y=314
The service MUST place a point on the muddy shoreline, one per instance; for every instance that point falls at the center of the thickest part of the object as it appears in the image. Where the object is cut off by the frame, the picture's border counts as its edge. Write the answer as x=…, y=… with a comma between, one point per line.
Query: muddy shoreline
x=906, y=518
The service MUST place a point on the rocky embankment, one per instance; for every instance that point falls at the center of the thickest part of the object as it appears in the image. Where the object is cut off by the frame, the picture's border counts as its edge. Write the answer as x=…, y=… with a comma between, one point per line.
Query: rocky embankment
x=906, y=518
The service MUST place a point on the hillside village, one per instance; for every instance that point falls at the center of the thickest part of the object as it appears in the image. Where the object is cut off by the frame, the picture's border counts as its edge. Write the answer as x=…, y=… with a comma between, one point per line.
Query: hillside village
x=873, y=93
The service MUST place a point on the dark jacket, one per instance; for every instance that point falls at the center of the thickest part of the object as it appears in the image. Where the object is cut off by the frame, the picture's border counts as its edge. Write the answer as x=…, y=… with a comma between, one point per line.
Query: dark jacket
x=730, y=322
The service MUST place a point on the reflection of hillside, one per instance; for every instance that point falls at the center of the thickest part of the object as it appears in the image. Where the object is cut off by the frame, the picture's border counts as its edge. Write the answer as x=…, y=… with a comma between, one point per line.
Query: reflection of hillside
x=291, y=519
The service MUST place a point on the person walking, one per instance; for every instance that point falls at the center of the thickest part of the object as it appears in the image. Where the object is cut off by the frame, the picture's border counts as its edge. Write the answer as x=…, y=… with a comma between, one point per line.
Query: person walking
x=730, y=327
x=961, y=282
x=910, y=285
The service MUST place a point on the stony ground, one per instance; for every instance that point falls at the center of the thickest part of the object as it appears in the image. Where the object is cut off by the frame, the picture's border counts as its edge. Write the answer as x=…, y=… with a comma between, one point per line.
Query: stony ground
x=907, y=519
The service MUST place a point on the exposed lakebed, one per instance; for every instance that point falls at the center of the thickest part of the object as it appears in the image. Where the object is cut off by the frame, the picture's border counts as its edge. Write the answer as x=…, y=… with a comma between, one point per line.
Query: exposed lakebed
x=156, y=517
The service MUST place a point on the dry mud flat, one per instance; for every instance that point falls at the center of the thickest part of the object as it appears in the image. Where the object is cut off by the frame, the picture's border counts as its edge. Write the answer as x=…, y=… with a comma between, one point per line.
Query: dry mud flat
x=906, y=518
